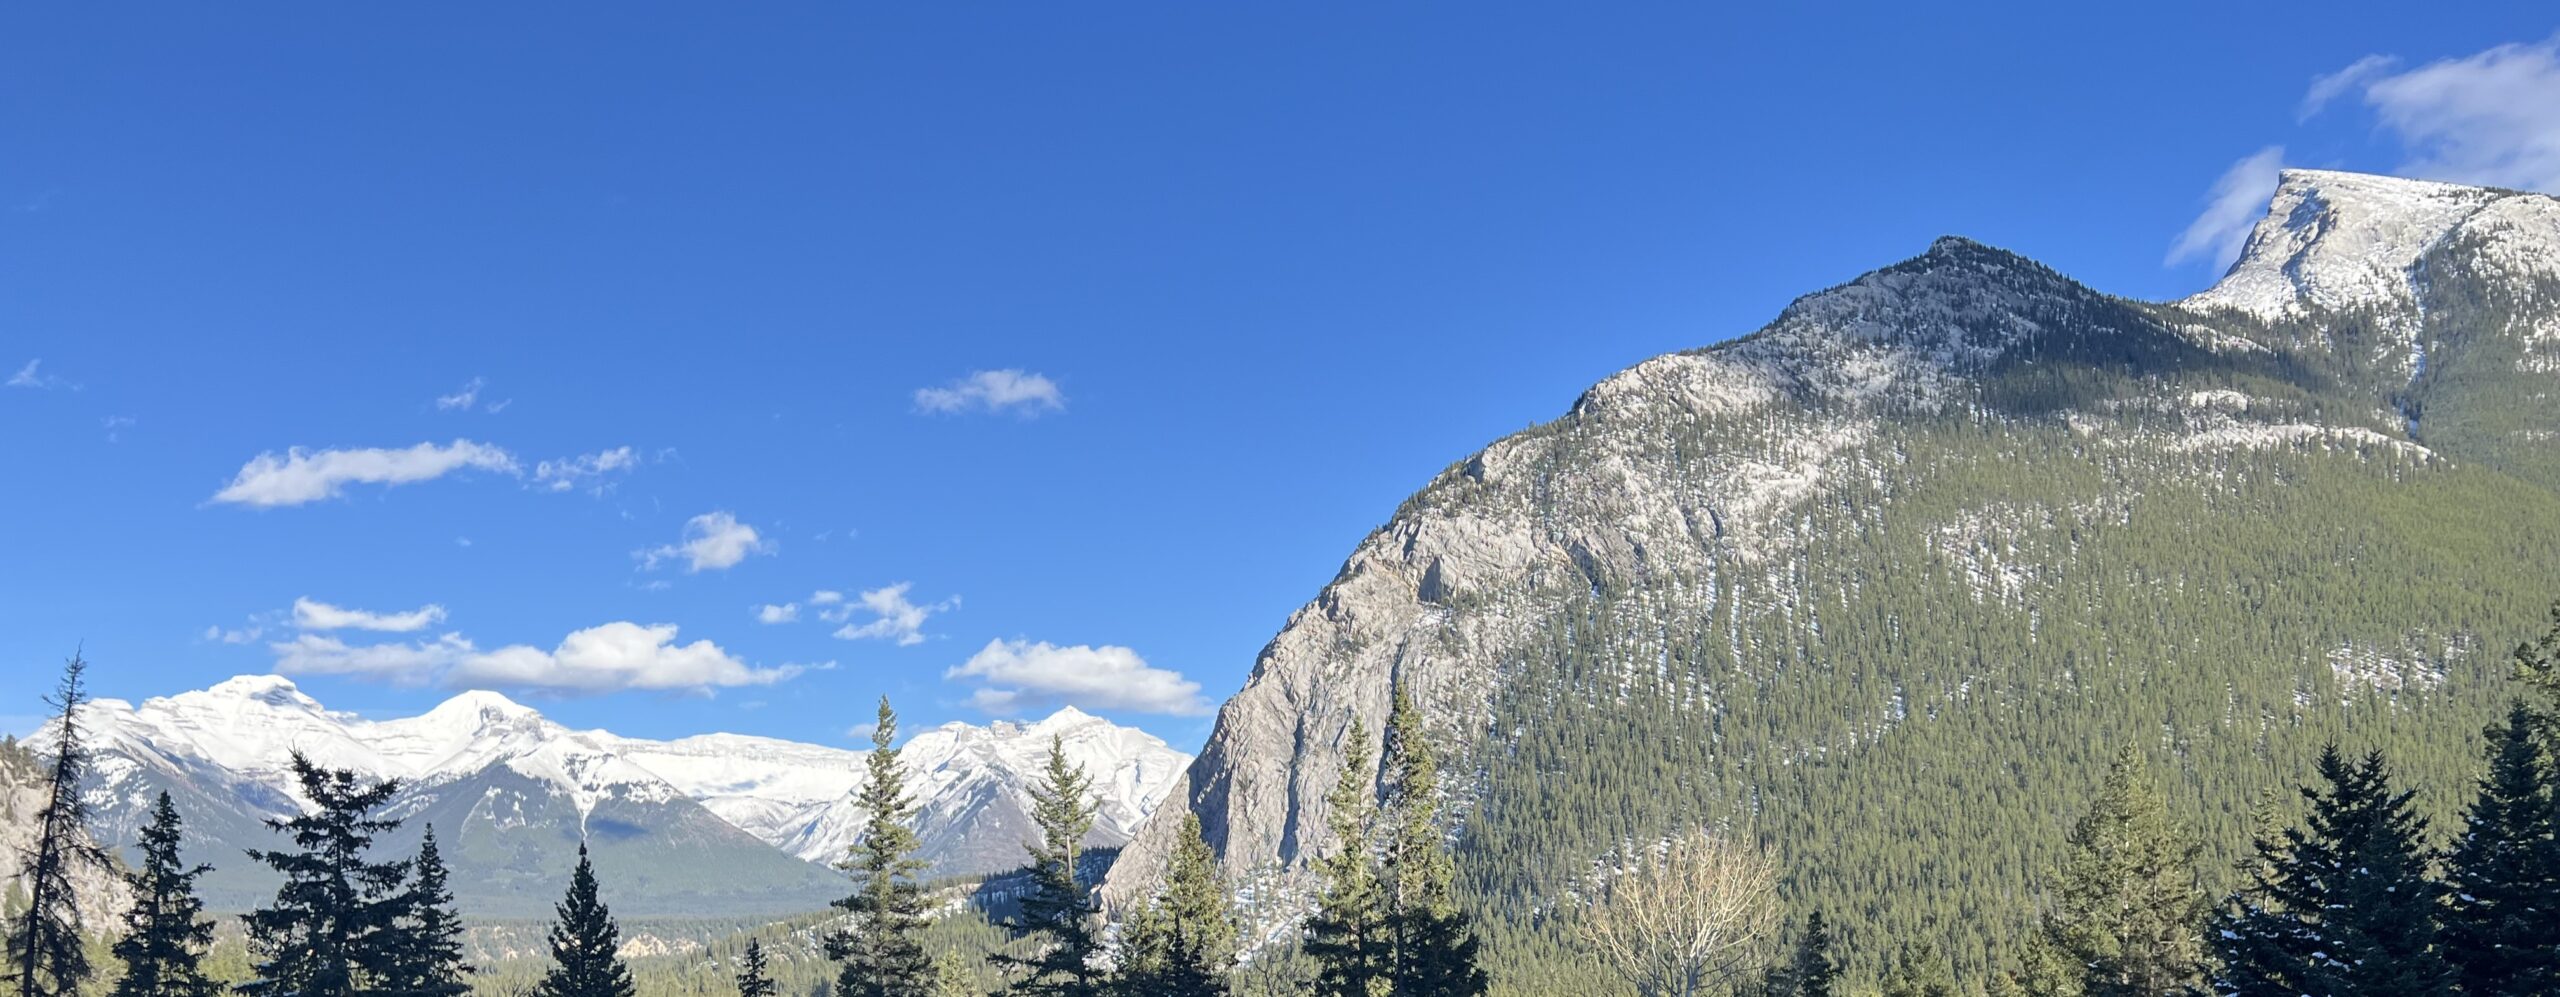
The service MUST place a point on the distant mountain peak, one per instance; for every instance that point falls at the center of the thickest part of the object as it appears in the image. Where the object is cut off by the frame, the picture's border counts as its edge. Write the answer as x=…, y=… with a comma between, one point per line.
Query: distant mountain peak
x=274, y=690
x=2339, y=240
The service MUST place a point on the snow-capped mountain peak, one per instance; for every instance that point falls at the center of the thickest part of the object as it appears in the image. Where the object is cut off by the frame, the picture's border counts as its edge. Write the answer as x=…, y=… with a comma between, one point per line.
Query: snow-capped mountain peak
x=2342, y=240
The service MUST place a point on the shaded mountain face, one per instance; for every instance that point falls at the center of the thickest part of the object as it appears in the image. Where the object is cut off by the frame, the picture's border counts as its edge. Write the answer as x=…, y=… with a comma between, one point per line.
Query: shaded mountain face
x=711, y=825
x=1885, y=583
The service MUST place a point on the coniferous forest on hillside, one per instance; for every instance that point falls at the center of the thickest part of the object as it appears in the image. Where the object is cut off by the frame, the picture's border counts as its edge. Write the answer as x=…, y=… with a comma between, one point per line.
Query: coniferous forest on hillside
x=2364, y=875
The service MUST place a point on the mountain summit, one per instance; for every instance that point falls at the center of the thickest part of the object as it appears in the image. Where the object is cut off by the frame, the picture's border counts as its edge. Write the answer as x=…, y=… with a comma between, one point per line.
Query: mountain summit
x=1884, y=583
x=708, y=824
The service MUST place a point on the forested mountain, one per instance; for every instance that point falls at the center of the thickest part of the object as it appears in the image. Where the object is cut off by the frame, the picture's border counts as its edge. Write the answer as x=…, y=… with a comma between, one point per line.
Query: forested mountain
x=711, y=825
x=1887, y=582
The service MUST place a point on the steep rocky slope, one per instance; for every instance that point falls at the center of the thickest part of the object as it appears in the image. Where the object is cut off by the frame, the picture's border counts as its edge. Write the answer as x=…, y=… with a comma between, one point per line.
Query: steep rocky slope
x=1883, y=581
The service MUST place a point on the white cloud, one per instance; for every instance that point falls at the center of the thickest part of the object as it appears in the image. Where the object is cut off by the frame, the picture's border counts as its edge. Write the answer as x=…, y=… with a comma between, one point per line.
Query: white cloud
x=30, y=377
x=462, y=400
x=2231, y=210
x=894, y=618
x=1020, y=675
x=616, y=656
x=825, y=597
x=420, y=663
x=312, y=614
x=2492, y=117
x=609, y=658
x=712, y=541
x=301, y=476
x=784, y=613
x=1017, y=391
x=2327, y=87
x=115, y=425
x=570, y=472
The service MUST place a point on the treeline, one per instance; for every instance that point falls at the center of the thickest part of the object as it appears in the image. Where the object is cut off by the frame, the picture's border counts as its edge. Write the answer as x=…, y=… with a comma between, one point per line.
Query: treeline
x=348, y=923
x=2345, y=892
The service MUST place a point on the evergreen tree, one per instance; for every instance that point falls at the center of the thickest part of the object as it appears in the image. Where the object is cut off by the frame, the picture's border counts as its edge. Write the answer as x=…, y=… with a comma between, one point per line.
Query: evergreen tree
x=332, y=929
x=1809, y=970
x=951, y=976
x=165, y=935
x=883, y=952
x=1921, y=972
x=1059, y=910
x=1182, y=941
x=585, y=943
x=753, y=978
x=2128, y=910
x=1347, y=935
x=2341, y=905
x=427, y=960
x=1435, y=948
x=46, y=957
x=2501, y=878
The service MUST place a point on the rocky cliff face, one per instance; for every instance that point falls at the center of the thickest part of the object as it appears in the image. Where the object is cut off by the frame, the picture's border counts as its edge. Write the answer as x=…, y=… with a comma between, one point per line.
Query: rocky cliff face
x=1952, y=513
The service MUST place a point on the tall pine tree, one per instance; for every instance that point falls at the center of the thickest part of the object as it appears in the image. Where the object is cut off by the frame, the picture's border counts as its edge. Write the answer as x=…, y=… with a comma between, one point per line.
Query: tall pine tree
x=1434, y=945
x=1809, y=969
x=165, y=933
x=754, y=978
x=883, y=951
x=2502, y=882
x=2128, y=910
x=585, y=943
x=1182, y=941
x=427, y=945
x=332, y=930
x=1059, y=911
x=45, y=954
x=2341, y=905
x=1347, y=935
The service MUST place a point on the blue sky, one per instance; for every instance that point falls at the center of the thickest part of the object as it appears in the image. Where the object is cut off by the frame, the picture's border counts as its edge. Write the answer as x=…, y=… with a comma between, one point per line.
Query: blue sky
x=1071, y=345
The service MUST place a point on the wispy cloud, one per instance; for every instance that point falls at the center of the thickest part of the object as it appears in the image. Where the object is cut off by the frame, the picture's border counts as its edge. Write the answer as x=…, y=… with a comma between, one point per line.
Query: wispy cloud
x=893, y=617
x=570, y=472
x=608, y=658
x=1011, y=390
x=33, y=376
x=771, y=614
x=312, y=614
x=2492, y=117
x=1019, y=675
x=115, y=425
x=300, y=476
x=713, y=541
x=463, y=399
x=237, y=635
x=2231, y=210
x=2327, y=87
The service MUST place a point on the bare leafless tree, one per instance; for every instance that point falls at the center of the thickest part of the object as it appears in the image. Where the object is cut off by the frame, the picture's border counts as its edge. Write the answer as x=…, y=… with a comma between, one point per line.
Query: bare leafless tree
x=1684, y=917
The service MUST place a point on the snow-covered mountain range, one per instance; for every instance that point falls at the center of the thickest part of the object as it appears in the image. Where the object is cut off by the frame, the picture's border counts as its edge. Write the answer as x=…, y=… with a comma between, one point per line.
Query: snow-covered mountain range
x=754, y=820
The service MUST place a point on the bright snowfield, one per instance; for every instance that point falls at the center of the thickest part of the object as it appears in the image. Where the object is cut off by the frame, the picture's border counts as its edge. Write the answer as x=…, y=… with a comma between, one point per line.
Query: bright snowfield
x=796, y=797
